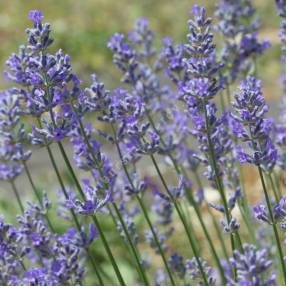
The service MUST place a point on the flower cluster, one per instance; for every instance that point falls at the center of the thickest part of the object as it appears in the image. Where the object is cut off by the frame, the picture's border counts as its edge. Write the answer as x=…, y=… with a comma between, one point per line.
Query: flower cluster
x=238, y=26
x=250, y=126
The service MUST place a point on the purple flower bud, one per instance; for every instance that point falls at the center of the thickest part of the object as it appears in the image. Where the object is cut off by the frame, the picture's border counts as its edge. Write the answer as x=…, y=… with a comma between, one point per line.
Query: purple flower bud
x=36, y=16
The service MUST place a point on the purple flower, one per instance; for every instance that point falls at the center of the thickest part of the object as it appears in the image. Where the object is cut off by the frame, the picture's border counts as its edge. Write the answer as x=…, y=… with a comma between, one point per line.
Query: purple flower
x=36, y=16
x=201, y=64
x=261, y=213
x=238, y=26
x=195, y=274
x=251, y=127
x=176, y=263
x=252, y=267
x=280, y=212
x=281, y=7
x=92, y=202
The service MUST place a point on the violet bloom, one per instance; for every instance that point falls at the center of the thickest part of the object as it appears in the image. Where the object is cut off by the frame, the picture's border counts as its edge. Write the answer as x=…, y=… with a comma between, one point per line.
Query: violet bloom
x=174, y=55
x=201, y=63
x=36, y=16
x=252, y=267
x=12, y=253
x=280, y=212
x=61, y=256
x=250, y=126
x=92, y=202
x=45, y=81
x=13, y=137
x=194, y=272
x=176, y=263
x=281, y=7
x=238, y=26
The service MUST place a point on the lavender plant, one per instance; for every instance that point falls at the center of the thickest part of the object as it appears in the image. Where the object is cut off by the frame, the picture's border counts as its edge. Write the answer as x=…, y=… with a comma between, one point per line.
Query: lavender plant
x=135, y=207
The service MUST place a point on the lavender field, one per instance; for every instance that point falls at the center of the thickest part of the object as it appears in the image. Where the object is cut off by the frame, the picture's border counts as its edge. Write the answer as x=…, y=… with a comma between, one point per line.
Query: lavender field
x=131, y=155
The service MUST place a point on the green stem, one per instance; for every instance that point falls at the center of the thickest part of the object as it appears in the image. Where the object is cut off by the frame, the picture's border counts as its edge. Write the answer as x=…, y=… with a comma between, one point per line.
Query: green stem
x=63, y=189
x=217, y=228
x=77, y=223
x=132, y=246
x=217, y=175
x=192, y=201
x=102, y=236
x=142, y=206
x=37, y=194
x=190, y=238
x=274, y=226
x=109, y=253
x=145, y=213
x=16, y=193
x=273, y=187
x=276, y=179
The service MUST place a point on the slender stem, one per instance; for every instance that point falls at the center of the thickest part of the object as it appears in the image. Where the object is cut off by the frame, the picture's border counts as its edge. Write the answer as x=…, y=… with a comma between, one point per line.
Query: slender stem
x=217, y=175
x=190, y=238
x=192, y=201
x=32, y=182
x=109, y=253
x=275, y=192
x=63, y=189
x=218, y=230
x=132, y=246
x=102, y=236
x=16, y=193
x=37, y=194
x=142, y=206
x=274, y=226
x=276, y=179
x=154, y=234
x=133, y=249
x=77, y=223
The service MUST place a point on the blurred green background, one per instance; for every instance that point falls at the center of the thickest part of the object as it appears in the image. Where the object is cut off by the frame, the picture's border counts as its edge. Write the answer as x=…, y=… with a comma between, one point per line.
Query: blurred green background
x=82, y=29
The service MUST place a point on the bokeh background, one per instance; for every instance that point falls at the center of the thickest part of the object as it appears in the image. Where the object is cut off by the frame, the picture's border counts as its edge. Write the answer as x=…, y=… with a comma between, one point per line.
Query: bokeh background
x=82, y=28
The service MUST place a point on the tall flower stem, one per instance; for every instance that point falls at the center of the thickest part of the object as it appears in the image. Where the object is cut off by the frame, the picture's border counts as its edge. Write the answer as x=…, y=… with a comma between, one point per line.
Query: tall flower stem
x=94, y=218
x=145, y=213
x=65, y=193
x=108, y=250
x=190, y=238
x=28, y=173
x=17, y=195
x=143, y=209
x=191, y=200
x=218, y=231
x=273, y=223
x=273, y=187
x=132, y=246
x=77, y=223
x=217, y=176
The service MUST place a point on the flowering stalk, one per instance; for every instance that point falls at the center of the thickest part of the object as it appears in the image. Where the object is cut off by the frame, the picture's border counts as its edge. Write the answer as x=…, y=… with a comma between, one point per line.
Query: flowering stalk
x=250, y=124
x=137, y=74
x=17, y=195
x=143, y=208
x=190, y=238
x=133, y=248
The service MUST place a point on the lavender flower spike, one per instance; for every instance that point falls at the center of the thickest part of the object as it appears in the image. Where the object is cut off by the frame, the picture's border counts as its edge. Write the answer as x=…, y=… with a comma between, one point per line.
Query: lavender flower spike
x=250, y=126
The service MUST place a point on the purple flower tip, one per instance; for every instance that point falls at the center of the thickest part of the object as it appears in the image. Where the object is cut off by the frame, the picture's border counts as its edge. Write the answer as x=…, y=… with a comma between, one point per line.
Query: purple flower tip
x=36, y=16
